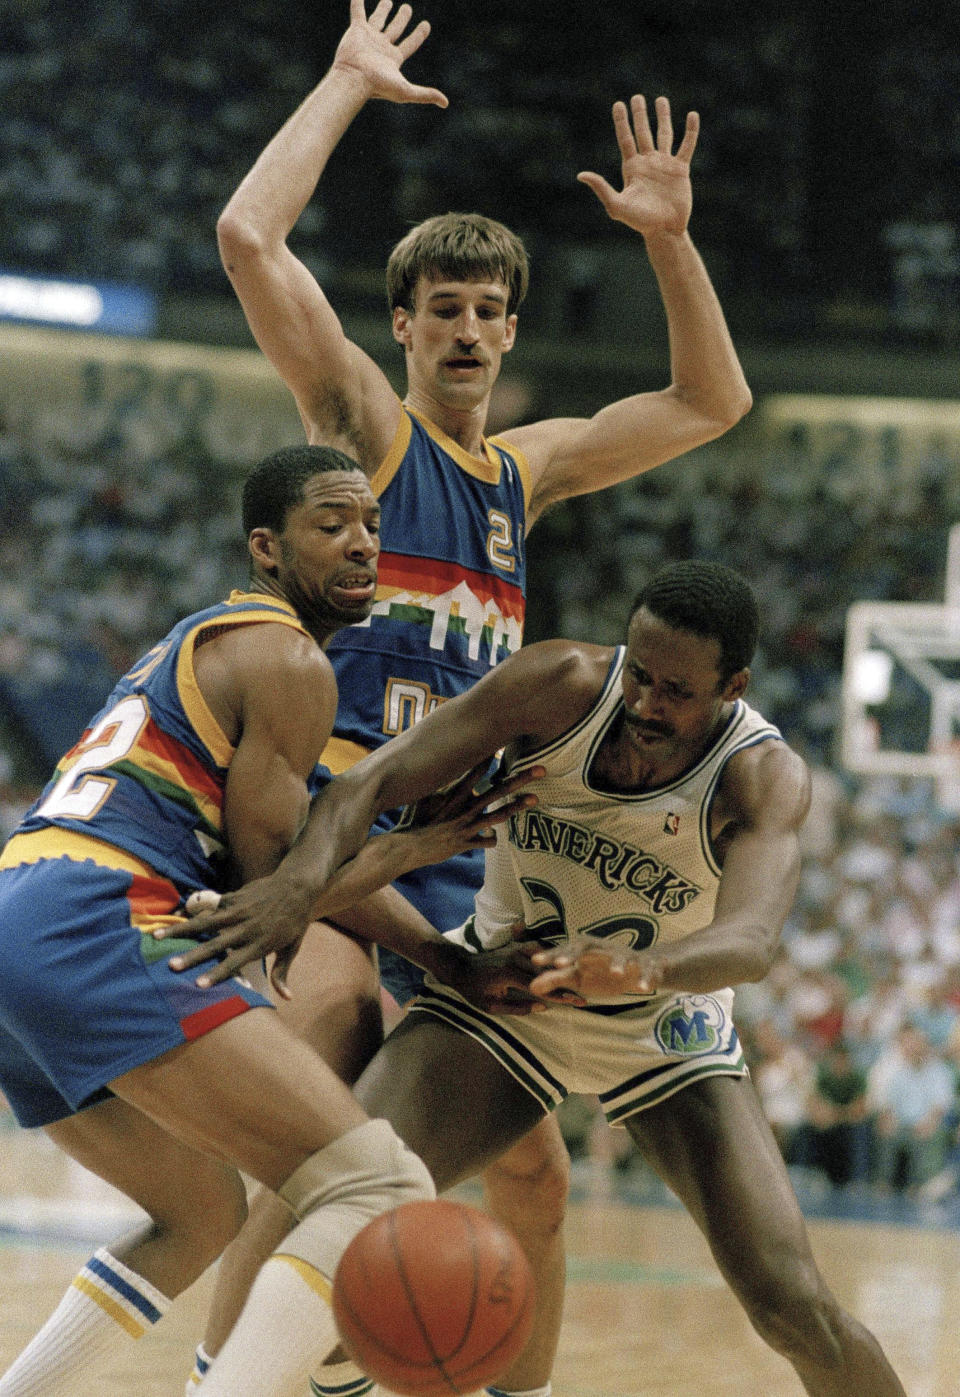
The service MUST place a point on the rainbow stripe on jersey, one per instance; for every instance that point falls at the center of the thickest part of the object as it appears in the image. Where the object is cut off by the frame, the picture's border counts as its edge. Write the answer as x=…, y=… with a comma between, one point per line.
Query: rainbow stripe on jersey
x=149, y=773
x=450, y=599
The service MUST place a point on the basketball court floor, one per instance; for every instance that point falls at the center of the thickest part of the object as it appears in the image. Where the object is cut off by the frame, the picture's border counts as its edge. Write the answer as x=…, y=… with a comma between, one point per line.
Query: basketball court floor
x=646, y=1311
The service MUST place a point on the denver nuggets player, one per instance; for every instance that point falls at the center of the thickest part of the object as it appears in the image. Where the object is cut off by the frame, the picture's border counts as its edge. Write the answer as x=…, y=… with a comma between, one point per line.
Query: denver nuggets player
x=456, y=509
x=195, y=774
x=667, y=823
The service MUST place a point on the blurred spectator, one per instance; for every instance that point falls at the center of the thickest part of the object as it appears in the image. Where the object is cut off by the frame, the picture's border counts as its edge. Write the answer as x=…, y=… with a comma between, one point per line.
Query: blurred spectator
x=837, y=1138
x=913, y=1102
x=937, y=1016
x=873, y=1021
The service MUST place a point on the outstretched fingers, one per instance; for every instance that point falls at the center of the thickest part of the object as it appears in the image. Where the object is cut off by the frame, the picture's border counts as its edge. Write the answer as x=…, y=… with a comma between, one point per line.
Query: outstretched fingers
x=394, y=32
x=635, y=135
x=689, y=143
x=377, y=46
x=634, y=138
x=604, y=191
x=414, y=39
x=395, y=27
x=378, y=16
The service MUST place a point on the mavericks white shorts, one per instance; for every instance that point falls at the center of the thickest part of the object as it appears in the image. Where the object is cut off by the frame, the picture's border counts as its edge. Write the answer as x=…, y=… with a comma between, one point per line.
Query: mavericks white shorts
x=629, y=1055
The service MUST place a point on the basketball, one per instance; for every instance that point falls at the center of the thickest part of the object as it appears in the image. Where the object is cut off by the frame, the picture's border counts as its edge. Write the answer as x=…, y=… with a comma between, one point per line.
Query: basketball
x=434, y=1298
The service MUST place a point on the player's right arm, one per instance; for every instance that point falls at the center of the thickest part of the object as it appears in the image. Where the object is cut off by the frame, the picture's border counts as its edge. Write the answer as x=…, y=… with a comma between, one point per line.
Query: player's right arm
x=279, y=694
x=344, y=399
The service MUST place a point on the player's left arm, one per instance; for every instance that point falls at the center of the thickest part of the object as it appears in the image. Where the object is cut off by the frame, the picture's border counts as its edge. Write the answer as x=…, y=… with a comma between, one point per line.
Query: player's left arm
x=708, y=392
x=765, y=795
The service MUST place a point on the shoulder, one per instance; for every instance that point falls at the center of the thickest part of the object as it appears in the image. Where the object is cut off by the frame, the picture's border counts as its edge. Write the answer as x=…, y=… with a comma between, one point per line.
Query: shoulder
x=573, y=664
x=768, y=780
x=555, y=683
x=275, y=651
x=539, y=440
x=277, y=664
x=548, y=448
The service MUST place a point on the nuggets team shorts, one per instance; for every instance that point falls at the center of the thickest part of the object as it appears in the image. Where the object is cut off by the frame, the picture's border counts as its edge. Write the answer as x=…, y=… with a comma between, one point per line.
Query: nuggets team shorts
x=85, y=991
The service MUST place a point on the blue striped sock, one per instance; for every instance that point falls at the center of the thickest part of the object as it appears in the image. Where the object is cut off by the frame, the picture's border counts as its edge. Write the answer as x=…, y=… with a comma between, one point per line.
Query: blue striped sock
x=201, y=1365
x=105, y=1308
x=126, y=1297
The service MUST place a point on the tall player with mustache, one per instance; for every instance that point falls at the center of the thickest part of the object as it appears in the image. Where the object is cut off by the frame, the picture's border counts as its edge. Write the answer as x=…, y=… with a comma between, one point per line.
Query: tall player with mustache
x=456, y=509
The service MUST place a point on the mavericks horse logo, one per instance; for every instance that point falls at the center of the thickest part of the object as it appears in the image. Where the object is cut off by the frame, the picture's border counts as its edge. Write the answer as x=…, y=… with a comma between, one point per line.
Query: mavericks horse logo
x=691, y=1026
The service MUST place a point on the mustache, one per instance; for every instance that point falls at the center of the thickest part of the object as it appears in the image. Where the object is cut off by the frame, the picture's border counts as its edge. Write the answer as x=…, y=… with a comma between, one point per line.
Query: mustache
x=649, y=729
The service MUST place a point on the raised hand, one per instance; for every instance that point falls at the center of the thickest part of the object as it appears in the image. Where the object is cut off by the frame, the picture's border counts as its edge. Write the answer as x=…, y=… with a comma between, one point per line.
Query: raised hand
x=656, y=195
x=374, y=49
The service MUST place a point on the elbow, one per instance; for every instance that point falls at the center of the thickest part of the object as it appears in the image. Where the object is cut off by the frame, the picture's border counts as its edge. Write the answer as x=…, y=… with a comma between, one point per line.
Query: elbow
x=761, y=955
x=238, y=238
x=732, y=410
x=740, y=405
x=754, y=951
x=710, y=417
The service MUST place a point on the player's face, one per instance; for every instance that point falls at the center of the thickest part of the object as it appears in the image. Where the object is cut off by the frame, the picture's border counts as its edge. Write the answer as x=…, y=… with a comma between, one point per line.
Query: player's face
x=673, y=694
x=326, y=556
x=455, y=338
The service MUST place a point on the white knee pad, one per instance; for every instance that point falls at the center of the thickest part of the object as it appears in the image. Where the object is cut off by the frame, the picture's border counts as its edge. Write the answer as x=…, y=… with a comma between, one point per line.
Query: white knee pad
x=341, y=1188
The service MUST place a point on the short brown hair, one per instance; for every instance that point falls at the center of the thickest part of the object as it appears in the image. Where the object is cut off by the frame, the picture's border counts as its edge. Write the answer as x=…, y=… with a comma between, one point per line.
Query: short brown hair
x=461, y=247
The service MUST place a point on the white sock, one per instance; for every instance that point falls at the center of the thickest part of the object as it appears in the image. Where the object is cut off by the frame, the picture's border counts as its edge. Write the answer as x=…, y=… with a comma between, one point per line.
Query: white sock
x=340, y=1380
x=106, y=1307
x=285, y=1329
x=201, y=1363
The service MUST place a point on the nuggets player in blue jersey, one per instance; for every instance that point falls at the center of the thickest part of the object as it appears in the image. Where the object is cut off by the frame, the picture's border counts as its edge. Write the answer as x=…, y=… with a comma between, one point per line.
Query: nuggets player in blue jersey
x=456, y=505
x=657, y=868
x=195, y=775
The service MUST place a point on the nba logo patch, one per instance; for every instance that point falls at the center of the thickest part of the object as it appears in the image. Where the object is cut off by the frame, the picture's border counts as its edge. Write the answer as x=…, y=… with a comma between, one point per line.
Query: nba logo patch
x=671, y=824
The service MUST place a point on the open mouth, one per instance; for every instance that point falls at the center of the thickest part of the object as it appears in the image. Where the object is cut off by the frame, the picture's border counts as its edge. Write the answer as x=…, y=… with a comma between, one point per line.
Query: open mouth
x=358, y=587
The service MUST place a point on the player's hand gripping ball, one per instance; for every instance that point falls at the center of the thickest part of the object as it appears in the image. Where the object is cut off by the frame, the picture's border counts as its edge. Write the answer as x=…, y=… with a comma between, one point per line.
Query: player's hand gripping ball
x=434, y=1298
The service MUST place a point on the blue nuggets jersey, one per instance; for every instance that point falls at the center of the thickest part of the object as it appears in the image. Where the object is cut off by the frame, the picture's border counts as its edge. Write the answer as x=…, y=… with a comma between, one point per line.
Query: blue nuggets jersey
x=450, y=598
x=149, y=773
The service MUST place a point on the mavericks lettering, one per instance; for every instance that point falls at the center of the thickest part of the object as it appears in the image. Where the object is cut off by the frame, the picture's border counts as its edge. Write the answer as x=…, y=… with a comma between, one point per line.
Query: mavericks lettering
x=615, y=865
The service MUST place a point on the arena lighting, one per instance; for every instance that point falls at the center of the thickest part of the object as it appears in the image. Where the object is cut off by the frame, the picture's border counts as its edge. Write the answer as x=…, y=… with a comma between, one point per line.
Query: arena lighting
x=104, y=306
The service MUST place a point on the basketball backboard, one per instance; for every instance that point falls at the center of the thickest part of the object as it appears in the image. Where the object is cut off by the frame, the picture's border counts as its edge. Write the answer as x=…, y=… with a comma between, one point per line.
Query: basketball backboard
x=901, y=687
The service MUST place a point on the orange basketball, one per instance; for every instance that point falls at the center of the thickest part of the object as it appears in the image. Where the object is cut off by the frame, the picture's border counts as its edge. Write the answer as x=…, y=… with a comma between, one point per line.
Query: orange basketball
x=434, y=1298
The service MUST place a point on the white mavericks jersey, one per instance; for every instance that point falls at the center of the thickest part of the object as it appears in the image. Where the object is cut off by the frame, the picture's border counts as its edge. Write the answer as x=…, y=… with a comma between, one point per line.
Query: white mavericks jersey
x=636, y=867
